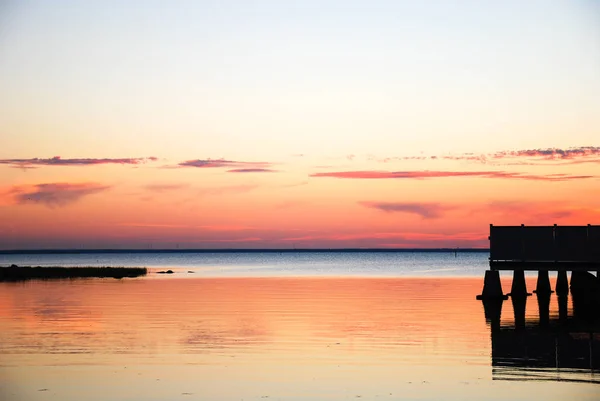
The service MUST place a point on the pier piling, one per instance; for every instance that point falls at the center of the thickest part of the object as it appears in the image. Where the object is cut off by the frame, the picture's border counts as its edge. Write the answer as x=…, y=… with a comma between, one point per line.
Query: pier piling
x=519, y=307
x=562, y=283
x=519, y=287
x=492, y=287
x=543, y=283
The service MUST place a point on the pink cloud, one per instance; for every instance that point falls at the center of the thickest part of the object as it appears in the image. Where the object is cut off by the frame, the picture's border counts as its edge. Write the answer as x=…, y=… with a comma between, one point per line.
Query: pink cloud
x=230, y=189
x=252, y=170
x=58, y=161
x=422, y=174
x=552, y=153
x=221, y=163
x=574, y=155
x=425, y=210
x=165, y=187
x=54, y=194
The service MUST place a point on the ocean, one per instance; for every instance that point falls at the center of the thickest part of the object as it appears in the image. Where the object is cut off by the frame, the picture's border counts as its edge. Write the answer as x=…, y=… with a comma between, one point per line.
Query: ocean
x=275, y=264
x=287, y=326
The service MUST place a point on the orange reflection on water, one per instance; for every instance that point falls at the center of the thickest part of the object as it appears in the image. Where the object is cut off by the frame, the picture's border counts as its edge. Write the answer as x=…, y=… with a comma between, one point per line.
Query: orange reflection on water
x=234, y=338
x=287, y=314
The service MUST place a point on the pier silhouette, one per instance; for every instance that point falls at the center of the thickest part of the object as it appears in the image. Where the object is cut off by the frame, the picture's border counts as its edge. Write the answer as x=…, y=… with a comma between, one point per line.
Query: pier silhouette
x=542, y=249
x=559, y=346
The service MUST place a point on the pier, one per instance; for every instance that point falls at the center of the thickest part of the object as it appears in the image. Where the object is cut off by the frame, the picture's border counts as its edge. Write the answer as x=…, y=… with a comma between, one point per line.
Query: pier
x=543, y=249
x=552, y=344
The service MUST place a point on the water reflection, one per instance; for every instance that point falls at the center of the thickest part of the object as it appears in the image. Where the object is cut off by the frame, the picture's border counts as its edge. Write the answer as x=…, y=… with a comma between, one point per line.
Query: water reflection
x=282, y=338
x=554, y=345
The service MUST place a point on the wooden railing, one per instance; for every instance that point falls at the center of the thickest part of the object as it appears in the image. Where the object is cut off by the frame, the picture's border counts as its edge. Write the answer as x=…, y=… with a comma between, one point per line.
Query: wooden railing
x=545, y=243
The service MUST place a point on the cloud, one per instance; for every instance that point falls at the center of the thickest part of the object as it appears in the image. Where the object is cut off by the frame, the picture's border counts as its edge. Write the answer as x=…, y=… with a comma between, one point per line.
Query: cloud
x=232, y=228
x=245, y=239
x=574, y=155
x=425, y=210
x=252, y=170
x=231, y=189
x=423, y=174
x=298, y=184
x=164, y=187
x=55, y=194
x=58, y=161
x=552, y=153
x=220, y=163
x=394, y=239
x=531, y=211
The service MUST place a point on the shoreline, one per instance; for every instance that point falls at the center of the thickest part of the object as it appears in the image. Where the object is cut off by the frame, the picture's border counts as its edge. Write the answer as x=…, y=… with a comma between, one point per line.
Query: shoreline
x=238, y=250
x=23, y=273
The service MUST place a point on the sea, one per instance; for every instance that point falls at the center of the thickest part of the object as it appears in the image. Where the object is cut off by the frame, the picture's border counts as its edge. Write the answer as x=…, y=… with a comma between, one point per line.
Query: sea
x=288, y=326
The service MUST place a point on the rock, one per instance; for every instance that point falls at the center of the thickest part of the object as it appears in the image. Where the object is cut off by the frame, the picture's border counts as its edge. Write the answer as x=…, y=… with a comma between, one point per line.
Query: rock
x=169, y=271
x=189, y=271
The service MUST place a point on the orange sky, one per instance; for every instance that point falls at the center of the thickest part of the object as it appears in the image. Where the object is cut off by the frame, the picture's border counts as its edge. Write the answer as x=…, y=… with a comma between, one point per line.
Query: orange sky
x=163, y=206
x=263, y=126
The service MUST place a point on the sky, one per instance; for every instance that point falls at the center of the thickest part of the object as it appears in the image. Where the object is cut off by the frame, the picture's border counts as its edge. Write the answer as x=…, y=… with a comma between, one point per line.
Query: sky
x=281, y=124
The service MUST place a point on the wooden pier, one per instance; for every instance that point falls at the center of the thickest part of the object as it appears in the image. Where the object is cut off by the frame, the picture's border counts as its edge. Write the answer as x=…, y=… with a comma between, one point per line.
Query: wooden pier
x=542, y=249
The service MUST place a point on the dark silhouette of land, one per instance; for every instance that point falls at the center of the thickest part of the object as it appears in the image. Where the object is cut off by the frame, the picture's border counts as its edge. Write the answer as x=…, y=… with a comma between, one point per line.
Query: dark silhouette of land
x=21, y=273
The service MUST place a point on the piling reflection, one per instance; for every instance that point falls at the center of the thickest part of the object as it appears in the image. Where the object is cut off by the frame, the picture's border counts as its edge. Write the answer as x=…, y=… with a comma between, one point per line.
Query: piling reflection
x=561, y=347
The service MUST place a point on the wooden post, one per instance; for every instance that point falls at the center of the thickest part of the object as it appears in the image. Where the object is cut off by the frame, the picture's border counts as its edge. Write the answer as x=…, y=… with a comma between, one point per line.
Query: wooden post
x=519, y=287
x=543, y=283
x=519, y=305
x=522, y=242
x=544, y=308
x=490, y=239
x=563, y=305
x=562, y=283
x=492, y=308
x=492, y=287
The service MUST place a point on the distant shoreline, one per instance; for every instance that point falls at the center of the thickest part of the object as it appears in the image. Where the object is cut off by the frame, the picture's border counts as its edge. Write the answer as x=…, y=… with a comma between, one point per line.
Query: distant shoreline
x=268, y=250
x=24, y=273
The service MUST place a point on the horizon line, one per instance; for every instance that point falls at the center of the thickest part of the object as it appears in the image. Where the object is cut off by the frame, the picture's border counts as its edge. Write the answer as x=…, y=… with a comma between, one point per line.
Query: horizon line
x=230, y=250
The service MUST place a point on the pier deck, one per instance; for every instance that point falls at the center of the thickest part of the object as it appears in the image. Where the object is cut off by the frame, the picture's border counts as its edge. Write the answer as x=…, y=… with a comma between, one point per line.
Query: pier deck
x=541, y=249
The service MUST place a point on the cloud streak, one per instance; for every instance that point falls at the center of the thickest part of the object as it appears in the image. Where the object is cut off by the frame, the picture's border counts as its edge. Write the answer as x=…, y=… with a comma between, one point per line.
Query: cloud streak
x=552, y=153
x=424, y=174
x=55, y=194
x=230, y=189
x=58, y=161
x=252, y=170
x=425, y=210
x=164, y=187
x=222, y=163
x=541, y=156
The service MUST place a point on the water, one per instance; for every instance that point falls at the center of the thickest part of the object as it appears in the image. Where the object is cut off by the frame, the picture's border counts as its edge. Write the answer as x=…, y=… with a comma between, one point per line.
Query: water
x=256, y=327
x=277, y=264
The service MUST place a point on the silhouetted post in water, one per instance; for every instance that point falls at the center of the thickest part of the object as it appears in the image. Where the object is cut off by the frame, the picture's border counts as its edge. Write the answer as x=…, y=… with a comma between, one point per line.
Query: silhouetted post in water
x=519, y=288
x=543, y=283
x=492, y=309
x=562, y=283
x=563, y=307
x=544, y=308
x=519, y=304
x=492, y=288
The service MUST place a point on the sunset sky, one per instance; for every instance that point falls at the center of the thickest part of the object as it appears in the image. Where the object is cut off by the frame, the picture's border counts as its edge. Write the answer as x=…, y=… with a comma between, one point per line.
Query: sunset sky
x=307, y=124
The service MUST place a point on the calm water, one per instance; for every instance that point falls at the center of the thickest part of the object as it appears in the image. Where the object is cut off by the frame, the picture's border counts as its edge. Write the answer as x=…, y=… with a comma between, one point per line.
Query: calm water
x=210, y=337
x=278, y=264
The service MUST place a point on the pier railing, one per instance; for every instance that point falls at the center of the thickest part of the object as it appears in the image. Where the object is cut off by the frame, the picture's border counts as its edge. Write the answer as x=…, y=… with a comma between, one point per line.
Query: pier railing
x=548, y=247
